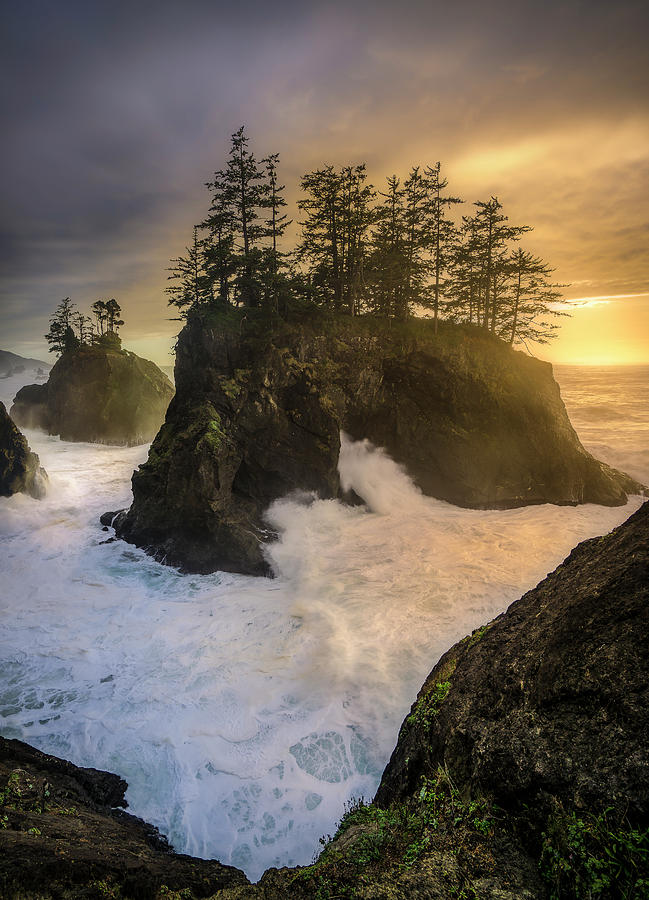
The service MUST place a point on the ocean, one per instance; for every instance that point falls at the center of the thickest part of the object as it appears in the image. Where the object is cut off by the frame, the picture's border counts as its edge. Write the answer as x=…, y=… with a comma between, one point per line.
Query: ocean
x=244, y=712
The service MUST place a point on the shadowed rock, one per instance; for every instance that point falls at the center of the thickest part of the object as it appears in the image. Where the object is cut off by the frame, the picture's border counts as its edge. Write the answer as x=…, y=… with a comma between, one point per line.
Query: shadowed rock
x=20, y=468
x=61, y=836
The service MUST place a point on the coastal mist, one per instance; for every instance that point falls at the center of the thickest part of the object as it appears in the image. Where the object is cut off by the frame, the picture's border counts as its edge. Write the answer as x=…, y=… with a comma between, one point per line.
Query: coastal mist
x=244, y=712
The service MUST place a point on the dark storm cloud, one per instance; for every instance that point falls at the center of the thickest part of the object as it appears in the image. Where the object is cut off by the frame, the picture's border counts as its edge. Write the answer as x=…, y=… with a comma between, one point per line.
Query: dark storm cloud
x=115, y=113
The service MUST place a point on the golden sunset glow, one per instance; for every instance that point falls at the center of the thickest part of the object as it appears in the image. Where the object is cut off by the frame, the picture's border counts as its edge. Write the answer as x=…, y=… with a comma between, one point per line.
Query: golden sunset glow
x=545, y=110
x=603, y=331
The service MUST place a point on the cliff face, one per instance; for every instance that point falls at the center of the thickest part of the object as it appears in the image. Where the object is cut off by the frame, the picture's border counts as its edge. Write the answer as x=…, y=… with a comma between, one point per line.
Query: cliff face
x=259, y=409
x=552, y=697
x=20, y=468
x=100, y=394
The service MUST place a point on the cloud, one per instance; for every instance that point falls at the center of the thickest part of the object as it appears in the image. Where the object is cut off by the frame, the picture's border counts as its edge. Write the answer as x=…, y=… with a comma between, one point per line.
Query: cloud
x=119, y=112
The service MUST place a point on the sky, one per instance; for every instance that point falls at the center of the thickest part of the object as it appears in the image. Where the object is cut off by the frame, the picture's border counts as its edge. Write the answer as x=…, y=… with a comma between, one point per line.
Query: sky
x=116, y=114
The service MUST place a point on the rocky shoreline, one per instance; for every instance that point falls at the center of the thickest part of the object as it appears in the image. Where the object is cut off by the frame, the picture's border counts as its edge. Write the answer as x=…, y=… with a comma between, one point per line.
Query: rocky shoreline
x=521, y=771
x=20, y=467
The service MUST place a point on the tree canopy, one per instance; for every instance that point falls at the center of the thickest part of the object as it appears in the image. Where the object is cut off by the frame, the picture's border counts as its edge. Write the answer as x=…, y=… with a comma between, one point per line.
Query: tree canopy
x=70, y=328
x=394, y=252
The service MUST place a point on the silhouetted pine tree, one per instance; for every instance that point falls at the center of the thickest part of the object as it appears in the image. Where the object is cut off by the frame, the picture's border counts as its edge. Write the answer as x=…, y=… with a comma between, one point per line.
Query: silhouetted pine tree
x=274, y=261
x=532, y=300
x=441, y=237
x=245, y=189
x=61, y=336
x=319, y=246
x=387, y=263
x=191, y=285
x=219, y=259
x=100, y=313
x=491, y=235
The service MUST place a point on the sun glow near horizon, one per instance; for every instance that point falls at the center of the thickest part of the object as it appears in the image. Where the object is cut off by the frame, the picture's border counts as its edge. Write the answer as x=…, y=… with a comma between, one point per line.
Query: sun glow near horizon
x=604, y=330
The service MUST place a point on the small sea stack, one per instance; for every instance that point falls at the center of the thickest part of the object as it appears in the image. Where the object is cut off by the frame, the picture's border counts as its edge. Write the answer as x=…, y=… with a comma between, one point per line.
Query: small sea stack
x=98, y=393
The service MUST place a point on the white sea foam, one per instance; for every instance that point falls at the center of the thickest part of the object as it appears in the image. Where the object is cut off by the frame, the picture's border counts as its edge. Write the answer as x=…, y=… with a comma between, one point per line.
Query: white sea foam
x=244, y=712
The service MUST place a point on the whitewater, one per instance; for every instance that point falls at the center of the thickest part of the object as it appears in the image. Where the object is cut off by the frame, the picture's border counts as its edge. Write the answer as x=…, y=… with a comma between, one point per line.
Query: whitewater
x=244, y=712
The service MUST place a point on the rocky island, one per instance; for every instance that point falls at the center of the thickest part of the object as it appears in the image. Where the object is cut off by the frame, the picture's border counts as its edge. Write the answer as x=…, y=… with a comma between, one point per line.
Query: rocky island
x=521, y=771
x=260, y=403
x=99, y=393
x=20, y=468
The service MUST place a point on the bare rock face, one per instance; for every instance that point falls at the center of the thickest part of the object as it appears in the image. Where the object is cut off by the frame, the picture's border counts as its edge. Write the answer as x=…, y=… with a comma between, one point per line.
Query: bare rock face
x=20, y=468
x=260, y=405
x=100, y=394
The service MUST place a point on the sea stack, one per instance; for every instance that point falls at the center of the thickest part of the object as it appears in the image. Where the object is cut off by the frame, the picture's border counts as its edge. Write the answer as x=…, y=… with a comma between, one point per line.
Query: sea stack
x=260, y=405
x=98, y=393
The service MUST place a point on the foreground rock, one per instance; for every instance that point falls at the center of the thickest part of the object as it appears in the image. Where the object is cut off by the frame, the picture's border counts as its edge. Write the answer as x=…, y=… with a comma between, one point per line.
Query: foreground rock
x=20, y=468
x=97, y=393
x=522, y=770
x=259, y=409
x=61, y=836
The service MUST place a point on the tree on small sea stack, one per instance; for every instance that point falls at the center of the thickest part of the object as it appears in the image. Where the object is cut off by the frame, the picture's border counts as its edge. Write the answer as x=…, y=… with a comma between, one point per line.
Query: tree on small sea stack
x=70, y=328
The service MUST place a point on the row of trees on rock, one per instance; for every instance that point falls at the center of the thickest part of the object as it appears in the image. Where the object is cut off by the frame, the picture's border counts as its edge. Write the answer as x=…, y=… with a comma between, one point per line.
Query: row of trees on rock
x=393, y=253
x=70, y=328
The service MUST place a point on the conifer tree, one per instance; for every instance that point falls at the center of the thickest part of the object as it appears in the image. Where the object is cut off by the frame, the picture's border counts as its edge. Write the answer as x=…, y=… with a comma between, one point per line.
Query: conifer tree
x=320, y=241
x=491, y=235
x=357, y=216
x=101, y=315
x=83, y=324
x=245, y=189
x=275, y=261
x=441, y=237
x=387, y=264
x=113, y=313
x=463, y=287
x=220, y=264
x=532, y=300
x=61, y=336
x=191, y=285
